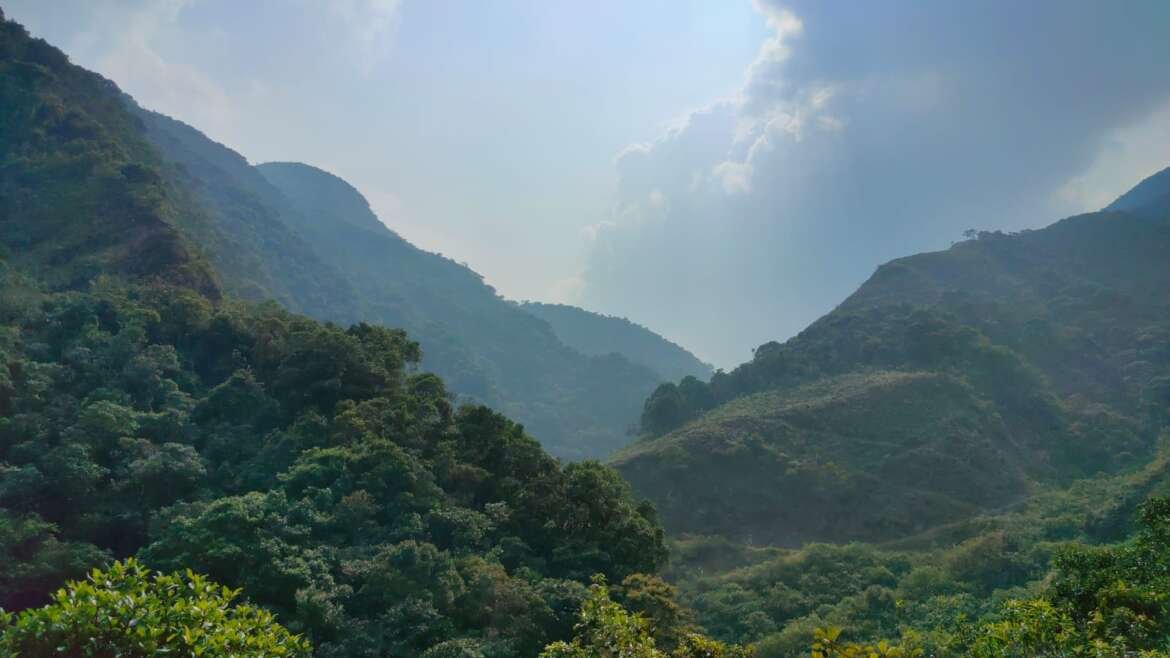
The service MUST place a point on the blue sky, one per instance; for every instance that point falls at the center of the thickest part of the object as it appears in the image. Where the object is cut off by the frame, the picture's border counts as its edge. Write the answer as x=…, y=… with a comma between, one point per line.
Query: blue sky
x=721, y=171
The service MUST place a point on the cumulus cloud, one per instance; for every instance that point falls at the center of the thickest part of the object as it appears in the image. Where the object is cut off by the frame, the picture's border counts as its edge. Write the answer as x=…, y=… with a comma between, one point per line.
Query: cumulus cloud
x=1129, y=153
x=736, y=177
x=866, y=132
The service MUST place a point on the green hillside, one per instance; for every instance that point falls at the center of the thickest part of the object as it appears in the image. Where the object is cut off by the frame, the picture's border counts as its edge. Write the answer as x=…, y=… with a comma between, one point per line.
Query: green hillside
x=258, y=252
x=220, y=433
x=597, y=335
x=490, y=350
x=68, y=151
x=313, y=466
x=947, y=589
x=309, y=240
x=1055, y=347
x=867, y=456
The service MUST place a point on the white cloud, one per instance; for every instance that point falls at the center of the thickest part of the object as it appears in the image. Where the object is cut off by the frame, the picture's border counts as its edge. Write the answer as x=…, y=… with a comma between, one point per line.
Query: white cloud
x=1128, y=155
x=143, y=45
x=160, y=83
x=864, y=133
x=736, y=177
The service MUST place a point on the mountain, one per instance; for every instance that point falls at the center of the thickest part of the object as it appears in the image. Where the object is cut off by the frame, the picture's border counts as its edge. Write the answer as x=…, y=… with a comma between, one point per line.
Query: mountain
x=950, y=384
x=580, y=405
x=1151, y=196
x=597, y=335
x=990, y=412
x=146, y=410
x=301, y=236
x=70, y=151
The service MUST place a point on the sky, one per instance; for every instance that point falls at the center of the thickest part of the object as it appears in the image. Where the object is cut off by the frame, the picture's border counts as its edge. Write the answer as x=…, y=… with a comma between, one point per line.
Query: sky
x=721, y=171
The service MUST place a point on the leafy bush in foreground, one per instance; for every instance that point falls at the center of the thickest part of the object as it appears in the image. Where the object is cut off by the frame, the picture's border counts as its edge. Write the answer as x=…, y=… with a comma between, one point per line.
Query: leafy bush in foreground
x=129, y=612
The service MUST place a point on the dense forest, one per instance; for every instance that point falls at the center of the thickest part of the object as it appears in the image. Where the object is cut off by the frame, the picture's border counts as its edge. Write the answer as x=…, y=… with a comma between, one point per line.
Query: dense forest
x=239, y=416
x=315, y=467
x=976, y=415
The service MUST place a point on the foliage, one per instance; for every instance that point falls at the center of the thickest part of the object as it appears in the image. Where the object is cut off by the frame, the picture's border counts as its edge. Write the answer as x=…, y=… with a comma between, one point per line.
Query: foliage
x=941, y=585
x=92, y=184
x=128, y=611
x=863, y=457
x=827, y=644
x=309, y=465
x=988, y=413
x=607, y=630
x=1098, y=600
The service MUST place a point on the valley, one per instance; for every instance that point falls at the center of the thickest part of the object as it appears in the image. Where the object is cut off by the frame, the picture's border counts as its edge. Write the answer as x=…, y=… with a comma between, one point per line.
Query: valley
x=238, y=375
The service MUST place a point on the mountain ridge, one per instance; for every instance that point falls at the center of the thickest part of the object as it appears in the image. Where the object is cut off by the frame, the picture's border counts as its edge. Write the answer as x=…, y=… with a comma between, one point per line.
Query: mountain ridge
x=147, y=411
x=1062, y=335
x=1151, y=194
x=300, y=235
x=596, y=334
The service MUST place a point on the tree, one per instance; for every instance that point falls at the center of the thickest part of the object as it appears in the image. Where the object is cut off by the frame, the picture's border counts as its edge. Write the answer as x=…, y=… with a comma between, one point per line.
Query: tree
x=664, y=410
x=607, y=630
x=649, y=595
x=129, y=612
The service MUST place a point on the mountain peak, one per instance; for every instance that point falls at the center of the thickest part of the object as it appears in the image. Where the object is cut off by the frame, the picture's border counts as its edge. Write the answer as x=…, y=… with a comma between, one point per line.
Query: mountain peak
x=332, y=197
x=1152, y=194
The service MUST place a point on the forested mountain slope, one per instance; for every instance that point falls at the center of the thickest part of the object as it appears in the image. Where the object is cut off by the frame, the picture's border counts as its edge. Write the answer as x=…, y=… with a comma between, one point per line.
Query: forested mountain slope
x=598, y=335
x=308, y=239
x=68, y=150
x=315, y=467
x=249, y=237
x=1047, y=355
x=579, y=405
